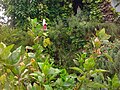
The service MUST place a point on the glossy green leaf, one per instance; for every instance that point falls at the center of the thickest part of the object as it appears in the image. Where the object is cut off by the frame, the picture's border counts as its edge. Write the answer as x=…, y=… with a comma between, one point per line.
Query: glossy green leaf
x=89, y=63
x=48, y=87
x=15, y=55
x=82, y=78
x=115, y=82
x=99, y=71
x=77, y=69
x=102, y=35
x=6, y=52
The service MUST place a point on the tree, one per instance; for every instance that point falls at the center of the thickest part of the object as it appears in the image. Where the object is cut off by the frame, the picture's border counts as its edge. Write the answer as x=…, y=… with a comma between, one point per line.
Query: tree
x=20, y=10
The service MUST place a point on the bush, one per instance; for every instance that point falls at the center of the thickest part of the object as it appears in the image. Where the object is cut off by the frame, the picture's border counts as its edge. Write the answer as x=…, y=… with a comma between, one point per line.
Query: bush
x=33, y=70
x=71, y=35
x=14, y=36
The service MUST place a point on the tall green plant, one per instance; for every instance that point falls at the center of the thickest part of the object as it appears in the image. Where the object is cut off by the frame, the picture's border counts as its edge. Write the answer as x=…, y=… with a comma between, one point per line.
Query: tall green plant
x=91, y=74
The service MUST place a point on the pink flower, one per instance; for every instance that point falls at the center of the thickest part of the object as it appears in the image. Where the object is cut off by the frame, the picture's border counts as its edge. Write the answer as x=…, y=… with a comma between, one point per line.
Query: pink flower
x=44, y=25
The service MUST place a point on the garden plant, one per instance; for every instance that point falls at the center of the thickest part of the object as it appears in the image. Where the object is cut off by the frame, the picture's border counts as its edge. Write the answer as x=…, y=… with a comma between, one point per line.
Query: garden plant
x=67, y=52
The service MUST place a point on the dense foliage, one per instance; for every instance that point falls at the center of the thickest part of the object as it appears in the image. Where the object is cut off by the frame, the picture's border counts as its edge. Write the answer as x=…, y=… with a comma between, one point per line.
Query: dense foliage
x=95, y=63
x=75, y=52
x=20, y=10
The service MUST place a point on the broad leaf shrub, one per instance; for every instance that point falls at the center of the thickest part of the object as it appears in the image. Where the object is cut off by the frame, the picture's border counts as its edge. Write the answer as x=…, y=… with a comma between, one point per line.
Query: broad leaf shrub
x=92, y=70
x=112, y=53
x=71, y=35
x=19, y=70
x=15, y=36
x=35, y=67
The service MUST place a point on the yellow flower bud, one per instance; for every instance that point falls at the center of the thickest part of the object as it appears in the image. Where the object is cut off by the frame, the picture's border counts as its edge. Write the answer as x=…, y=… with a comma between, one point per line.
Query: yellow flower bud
x=32, y=60
x=98, y=51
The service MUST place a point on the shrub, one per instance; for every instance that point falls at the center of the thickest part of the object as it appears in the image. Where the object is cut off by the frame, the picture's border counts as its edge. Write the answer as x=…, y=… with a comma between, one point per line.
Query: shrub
x=21, y=69
x=71, y=35
x=14, y=36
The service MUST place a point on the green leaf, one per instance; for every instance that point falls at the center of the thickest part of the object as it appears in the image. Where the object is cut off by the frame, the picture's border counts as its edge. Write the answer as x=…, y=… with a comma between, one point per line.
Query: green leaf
x=40, y=79
x=48, y=87
x=77, y=69
x=99, y=71
x=37, y=29
x=53, y=71
x=29, y=86
x=40, y=65
x=2, y=46
x=22, y=68
x=89, y=63
x=96, y=85
x=44, y=67
x=108, y=56
x=59, y=82
x=31, y=33
x=76, y=62
x=83, y=55
x=109, y=82
x=15, y=55
x=6, y=52
x=115, y=82
x=102, y=35
x=82, y=78
x=34, y=22
x=45, y=34
x=14, y=69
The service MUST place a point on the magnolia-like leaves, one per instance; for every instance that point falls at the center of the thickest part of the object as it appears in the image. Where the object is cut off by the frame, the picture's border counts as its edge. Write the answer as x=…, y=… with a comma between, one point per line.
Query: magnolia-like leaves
x=89, y=63
x=15, y=55
x=102, y=35
x=5, y=51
